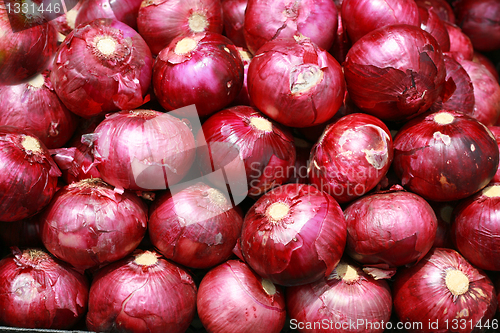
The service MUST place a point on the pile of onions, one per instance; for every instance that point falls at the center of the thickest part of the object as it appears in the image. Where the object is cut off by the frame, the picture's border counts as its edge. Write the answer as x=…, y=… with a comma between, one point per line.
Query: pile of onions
x=39, y=291
x=88, y=224
x=124, y=11
x=234, y=20
x=141, y=293
x=293, y=235
x=232, y=298
x=444, y=293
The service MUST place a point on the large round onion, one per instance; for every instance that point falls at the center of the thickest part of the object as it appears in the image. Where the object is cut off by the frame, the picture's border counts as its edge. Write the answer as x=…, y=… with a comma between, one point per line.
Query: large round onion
x=29, y=175
x=124, y=11
x=295, y=82
x=395, y=72
x=445, y=156
x=39, y=291
x=335, y=303
x=351, y=157
x=293, y=235
x=232, y=298
x=142, y=293
x=234, y=20
x=444, y=293
x=102, y=66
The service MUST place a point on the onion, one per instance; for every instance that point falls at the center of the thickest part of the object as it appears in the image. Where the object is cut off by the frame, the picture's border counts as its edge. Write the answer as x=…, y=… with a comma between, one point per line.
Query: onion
x=141, y=293
x=293, y=235
x=444, y=293
x=29, y=175
x=348, y=300
x=232, y=298
x=462, y=97
x=430, y=22
x=161, y=21
x=124, y=11
x=486, y=62
x=351, y=157
x=243, y=97
x=103, y=66
x=143, y=150
x=195, y=227
x=179, y=80
x=460, y=43
x=444, y=211
x=39, y=291
x=295, y=82
x=441, y=7
x=476, y=228
x=66, y=22
x=445, y=156
x=88, y=224
x=23, y=233
x=234, y=20
x=395, y=72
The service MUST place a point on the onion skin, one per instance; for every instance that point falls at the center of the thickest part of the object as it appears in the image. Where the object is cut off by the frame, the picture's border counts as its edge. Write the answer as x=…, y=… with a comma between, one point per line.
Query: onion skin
x=421, y=295
x=66, y=22
x=298, y=247
x=296, y=83
x=351, y=157
x=232, y=298
x=495, y=130
x=342, y=43
x=462, y=98
x=124, y=11
x=460, y=43
x=486, y=62
x=129, y=297
x=396, y=85
x=234, y=20
x=123, y=76
x=447, y=161
x=39, y=291
x=430, y=22
x=441, y=7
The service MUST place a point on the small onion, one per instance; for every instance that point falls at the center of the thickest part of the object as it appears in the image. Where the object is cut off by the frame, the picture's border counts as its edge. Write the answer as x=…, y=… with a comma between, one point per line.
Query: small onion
x=460, y=43
x=124, y=11
x=234, y=20
x=232, y=298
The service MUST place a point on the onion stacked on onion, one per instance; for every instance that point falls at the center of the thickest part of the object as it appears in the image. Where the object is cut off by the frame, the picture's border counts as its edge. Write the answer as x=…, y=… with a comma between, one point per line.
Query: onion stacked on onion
x=124, y=11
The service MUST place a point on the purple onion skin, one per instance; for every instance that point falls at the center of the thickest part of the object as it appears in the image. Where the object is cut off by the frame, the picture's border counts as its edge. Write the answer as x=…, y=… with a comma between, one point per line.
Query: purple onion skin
x=304, y=245
x=430, y=22
x=234, y=20
x=231, y=298
x=40, y=292
x=460, y=43
x=447, y=161
x=421, y=295
x=129, y=297
x=124, y=11
x=462, y=98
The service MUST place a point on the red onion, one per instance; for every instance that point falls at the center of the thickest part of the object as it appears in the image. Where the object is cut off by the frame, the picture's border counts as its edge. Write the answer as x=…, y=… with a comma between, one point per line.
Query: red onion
x=460, y=44
x=103, y=66
x=141, y=293
x=179, y=80
x=293, y=235
x=445, y=156
x=486, y=62
x=232, y=298
x=161, y=21
x=143, y=149
x=39, y=291
x=267, y=20
x=234, y=20
x=462, y=97
x=441, y=7
x=395, y=72
x=348, y=300
x=495, y=130
x=88, y=224
x=29, y=175
x=295, y=82
x=351, y=157
x=255, y=153
x=195, y=227
x=243, y=97
x=444, y=214
x=124, y=11
x=66, y=22
x=23, y=233
x=430, y=22
x=444, y=293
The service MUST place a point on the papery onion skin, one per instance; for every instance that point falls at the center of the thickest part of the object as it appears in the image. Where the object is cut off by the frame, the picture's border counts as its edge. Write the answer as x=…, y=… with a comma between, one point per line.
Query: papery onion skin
x=340, y=301
x=88, y=224
x=234, y=20
x=266, y=20
x=351, y=157
x=66, y=22
x=476, y=228
x=293, y=235
x=153, y=297
x=143, y=149
x=399, y=84
x=462, y=98
x=24, y=233
x=102, y=66
x=295, y=82
x=29, y=174
x=232, y=298
x=445, y=156
x=124, y=11
x=421, y=295
x=39, y=291
x=460, y=43
x=430, y=22
x=441, y=7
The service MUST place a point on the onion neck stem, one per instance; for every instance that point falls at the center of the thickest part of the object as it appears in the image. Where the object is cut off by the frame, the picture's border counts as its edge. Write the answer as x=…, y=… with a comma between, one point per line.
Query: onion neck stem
x=146, y=258
x=198, y=22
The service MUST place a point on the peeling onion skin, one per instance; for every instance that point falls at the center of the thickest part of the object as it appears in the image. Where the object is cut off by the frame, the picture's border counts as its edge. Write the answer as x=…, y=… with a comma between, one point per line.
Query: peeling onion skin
x=124, y=11
x=430, y=22
x=447, y=161
x=152, y=298
x=351, y=157
x=88, y=224
x=295, y=82
x=39, y=291
x=298, y=244
x=420, y=294
x=338, y=300
x=232, y=298
x=107, y=54
x=476, y=228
